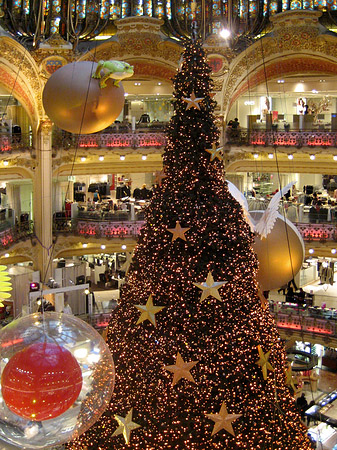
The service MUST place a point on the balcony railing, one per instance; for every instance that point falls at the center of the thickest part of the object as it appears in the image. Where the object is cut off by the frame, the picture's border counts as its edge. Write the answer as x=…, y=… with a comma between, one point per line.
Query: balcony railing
x=137, y=139
x=10, y=234
x=111, y=225
x=272, y=138
x=20, y=141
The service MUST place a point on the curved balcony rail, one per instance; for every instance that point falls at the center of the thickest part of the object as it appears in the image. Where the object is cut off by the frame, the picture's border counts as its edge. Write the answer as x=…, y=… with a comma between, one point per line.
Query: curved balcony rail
x=140, y=138
x=10, y=142
x=306, y=323
x=283, y=138
x=123, y=224
x=97, y=224
x=10, y=234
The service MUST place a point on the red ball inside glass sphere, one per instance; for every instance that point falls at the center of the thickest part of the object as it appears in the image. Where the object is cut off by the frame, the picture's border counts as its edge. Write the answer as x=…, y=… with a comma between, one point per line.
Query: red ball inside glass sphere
x=41, y=381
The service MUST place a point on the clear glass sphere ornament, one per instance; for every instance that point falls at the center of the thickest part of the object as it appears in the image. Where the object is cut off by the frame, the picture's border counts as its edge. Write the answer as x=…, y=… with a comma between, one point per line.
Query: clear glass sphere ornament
x=57, y=378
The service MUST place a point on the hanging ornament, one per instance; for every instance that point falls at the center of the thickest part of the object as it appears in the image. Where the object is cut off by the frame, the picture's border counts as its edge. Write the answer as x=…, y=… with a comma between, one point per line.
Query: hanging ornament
x=75, y=102
x=193, y=101
x=48, y=378
x=57, y=379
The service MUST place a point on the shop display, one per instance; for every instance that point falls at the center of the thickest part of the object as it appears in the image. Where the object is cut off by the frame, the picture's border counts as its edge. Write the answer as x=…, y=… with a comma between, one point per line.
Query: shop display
x=57, y=379
x=75, y=102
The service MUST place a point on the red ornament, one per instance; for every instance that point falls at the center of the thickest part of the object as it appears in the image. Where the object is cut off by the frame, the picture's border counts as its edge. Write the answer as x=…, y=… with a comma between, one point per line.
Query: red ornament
x=41, y=381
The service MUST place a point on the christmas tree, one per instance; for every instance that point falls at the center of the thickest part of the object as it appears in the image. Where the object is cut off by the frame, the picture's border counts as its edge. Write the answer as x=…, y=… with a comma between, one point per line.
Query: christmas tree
x=199, y=362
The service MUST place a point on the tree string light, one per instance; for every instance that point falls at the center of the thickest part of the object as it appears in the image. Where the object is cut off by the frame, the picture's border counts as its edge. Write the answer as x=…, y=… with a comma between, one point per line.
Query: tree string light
x=223, y=336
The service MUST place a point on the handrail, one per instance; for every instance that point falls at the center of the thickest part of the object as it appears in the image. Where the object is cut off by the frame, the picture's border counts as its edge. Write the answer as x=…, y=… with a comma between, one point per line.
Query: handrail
x=10, y=234
x=15, y=141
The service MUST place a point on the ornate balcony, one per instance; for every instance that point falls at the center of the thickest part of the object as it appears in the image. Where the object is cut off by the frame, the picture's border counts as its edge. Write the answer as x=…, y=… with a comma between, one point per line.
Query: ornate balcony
x=272, y=138
x=10, y=234
x=137, y=139
x=10, y=142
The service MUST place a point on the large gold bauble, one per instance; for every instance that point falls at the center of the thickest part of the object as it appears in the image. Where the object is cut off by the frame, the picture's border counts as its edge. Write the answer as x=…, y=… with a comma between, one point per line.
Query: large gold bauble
x=75, y=102
x=280, y=254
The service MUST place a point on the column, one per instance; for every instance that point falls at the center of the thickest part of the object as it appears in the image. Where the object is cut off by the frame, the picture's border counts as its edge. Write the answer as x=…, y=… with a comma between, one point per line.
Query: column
x=42, y=198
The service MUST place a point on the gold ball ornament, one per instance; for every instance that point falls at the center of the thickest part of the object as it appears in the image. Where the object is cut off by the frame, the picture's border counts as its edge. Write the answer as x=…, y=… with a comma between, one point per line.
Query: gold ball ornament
x=280, y=254
x=74, y=101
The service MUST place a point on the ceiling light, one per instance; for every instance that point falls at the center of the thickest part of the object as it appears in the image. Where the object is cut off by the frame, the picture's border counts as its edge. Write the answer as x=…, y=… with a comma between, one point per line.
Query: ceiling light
x=125, y=94
x=280, y=81
x=122, y=157
x=291, y=156
x=84, y=245
x=256, y=155
x=333, y=251
x=224, y=33
x=103, y=247
x=83, y=158
x=335, y=157
x=101, y=158
x=270, y=155
x=311, y=251
x=6, y=255
x=6, y=163
x=312, y=157
x=159, y=83
x=144, y=157
x=314, y=91
x=123, y=247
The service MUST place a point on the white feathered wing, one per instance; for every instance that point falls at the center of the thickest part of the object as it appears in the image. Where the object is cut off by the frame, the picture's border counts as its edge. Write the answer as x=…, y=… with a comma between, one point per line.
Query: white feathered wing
x=240, y=198
x=268, y=219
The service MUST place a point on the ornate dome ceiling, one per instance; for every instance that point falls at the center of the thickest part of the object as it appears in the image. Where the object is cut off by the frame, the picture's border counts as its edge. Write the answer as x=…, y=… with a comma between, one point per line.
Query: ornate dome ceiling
x=33, y=21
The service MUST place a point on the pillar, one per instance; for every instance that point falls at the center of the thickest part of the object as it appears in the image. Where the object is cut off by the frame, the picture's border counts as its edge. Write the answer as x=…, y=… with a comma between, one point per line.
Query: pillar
x=42, y=199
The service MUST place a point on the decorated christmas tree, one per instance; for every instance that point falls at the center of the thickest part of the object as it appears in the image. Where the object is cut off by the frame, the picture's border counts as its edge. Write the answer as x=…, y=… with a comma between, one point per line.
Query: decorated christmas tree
x=199, y=362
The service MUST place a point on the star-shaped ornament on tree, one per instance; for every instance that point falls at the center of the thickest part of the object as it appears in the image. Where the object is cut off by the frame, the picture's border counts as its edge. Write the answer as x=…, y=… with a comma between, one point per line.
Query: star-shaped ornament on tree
x=193, y=101
x=126, y=265
x=126, y=425
x=215, y=152
x=159, y=176
x=264, y=363
x=223, y=420
x=289, y=379
x=148, y=311
x=210, y=288
x=181, y=369
x=178, y=232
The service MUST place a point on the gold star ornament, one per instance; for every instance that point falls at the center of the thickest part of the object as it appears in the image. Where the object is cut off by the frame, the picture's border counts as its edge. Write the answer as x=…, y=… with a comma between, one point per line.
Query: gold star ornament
x=193, y=101
x=210, y=288
x=148, y=311
x=264, y=363
x=160, y=175
x=289, y=379
x=178, y=232
x=223, y=420
x=126, y=266
x=181, y=369
x=215, y=152
x=126, y=425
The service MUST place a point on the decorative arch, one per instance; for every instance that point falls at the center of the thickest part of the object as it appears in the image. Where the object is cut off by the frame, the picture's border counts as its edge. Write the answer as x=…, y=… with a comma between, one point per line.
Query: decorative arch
x=20, y=76
x=297, y=44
